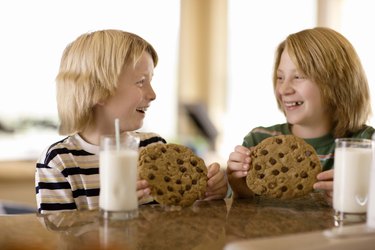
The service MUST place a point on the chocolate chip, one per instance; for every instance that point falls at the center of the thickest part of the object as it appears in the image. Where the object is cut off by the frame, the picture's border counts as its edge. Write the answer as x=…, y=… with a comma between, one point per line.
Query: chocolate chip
x=281, y=155
x=299, y=159
x=303, y=174
x=151, y=176
x=294, y=147
x=194, y=181
x=178, y=181
x=159, y=192
x=284, y=169
x=170, y=189
x=164, y=150
x=181, y=192
x=182, y=169
x=199, y=170
x=264, y=152
x=312, y=164
x=260, y=176
x=167, y=179
x=194, y=162
x=299, y=186
x=275, y=172
x=187, y=187
x=272, y=161
x=258, y=167
x=284, y=189
x=279, y=141
x=179, y=161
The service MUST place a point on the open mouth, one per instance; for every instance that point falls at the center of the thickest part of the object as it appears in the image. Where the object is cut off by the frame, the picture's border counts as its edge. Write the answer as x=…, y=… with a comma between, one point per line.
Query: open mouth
x=293, y=104
x=142, y=110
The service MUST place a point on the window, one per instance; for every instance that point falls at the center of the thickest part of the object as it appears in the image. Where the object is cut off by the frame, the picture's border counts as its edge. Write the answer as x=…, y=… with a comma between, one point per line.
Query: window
x=35, y=33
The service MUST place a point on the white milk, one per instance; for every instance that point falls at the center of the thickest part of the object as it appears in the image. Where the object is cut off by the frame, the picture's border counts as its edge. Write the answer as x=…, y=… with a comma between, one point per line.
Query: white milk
x=118, y=177
x=351, y=179
x=371, y=193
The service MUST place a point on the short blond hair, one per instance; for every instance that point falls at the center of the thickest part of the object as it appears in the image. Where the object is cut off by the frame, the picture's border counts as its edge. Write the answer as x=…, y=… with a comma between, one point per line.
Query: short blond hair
x=89, y=70
x=329, y=59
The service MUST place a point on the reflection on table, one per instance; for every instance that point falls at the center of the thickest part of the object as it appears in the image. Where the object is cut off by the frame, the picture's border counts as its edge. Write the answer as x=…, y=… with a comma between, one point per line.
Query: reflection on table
x=205, y=225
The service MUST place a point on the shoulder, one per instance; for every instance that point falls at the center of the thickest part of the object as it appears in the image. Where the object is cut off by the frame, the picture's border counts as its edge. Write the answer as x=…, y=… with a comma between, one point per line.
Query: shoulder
x=61, y=149
x=148, y=138
x=366, y=132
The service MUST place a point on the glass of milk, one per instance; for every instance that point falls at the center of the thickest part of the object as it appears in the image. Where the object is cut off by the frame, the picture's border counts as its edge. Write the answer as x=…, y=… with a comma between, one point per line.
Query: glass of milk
x=371, y=192
x=352, y=165
x=118, y=162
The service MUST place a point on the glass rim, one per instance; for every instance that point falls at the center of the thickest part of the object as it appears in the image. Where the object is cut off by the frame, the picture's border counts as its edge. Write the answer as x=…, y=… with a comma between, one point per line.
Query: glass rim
x=353, y=140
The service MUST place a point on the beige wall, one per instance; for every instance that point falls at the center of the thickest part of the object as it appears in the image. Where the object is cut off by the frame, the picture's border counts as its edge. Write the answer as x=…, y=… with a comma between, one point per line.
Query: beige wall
x=203, y=58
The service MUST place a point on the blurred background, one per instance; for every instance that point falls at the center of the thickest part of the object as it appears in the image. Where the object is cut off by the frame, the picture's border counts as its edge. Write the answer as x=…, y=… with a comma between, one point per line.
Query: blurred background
x=213, y=80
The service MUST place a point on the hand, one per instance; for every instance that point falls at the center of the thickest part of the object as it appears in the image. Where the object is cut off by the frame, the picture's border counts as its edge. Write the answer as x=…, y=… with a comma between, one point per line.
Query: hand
x=238, y=162
x=237, y=169
x=143, y=189
x=325, y=183
x=217, y=184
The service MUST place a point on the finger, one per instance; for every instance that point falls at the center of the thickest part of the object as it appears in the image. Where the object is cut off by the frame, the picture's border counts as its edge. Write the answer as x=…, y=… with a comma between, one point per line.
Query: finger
x=213, y=169
x=241, y=149
x=324, y=185
x=325, y=175
x=142, y=184
x=216, y=177
x=213, y=186
x=239, y=157
x=143, y=192
x=238, y=174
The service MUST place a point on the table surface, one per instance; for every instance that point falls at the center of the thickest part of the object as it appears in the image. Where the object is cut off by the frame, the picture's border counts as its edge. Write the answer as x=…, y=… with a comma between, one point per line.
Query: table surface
x=205, y=225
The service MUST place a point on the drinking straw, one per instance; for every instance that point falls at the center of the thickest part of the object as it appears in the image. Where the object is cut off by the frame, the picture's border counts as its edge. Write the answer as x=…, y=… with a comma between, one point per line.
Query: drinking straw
x=117, y=133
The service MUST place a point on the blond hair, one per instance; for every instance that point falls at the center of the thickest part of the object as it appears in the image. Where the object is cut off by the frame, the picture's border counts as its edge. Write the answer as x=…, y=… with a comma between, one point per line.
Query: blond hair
x=89, y=70
x=329, y=59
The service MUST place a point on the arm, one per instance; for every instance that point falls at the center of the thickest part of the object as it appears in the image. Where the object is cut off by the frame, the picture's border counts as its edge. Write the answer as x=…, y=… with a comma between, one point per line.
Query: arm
x=217, y=184
x=238, y=165
x=53, y=191
x=325, y=183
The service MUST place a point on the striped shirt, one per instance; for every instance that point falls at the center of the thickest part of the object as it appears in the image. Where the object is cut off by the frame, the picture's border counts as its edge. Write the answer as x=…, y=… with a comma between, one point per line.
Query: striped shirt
x=324, y=146
x=67, y=174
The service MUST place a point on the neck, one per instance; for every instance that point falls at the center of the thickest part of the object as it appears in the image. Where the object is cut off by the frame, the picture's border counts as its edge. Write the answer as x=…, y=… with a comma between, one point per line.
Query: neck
x=308, y=132
x=90, y=136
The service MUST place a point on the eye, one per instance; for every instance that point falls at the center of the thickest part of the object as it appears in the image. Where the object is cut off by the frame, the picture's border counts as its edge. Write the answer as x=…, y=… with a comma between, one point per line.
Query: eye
x=141, y=82
x=299, y=76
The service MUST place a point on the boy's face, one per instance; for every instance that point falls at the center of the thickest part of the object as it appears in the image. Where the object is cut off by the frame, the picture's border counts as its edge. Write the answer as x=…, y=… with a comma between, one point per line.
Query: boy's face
x=132, y=98
x=300, y=98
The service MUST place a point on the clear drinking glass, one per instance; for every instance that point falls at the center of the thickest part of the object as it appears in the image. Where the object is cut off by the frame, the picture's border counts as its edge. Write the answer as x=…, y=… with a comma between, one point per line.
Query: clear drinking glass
x=118, y=161
x=352, y=165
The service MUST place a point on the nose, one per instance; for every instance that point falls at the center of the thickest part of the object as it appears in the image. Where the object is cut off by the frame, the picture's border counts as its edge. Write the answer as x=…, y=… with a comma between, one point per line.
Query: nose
x=150, y=93
x=285, y=88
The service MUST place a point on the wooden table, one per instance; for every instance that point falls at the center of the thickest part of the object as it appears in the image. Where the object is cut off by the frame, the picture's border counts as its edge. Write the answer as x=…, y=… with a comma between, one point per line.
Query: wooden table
x=205, y=225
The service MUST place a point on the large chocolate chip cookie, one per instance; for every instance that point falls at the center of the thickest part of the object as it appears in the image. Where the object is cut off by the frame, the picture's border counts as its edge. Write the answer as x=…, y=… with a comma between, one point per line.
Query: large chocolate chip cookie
x=284, y=167
x=176, y=175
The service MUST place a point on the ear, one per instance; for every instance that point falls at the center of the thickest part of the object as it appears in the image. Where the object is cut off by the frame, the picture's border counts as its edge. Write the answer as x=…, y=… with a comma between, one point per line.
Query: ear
x=100, y=103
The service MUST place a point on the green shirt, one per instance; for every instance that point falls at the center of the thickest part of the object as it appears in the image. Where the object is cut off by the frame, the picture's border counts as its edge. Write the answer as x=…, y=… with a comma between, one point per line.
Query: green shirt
x=324, y=146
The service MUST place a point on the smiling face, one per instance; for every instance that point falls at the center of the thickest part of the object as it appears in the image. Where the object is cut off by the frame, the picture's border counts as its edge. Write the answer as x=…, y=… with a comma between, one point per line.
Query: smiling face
x=131, y=100
x=300, y=100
